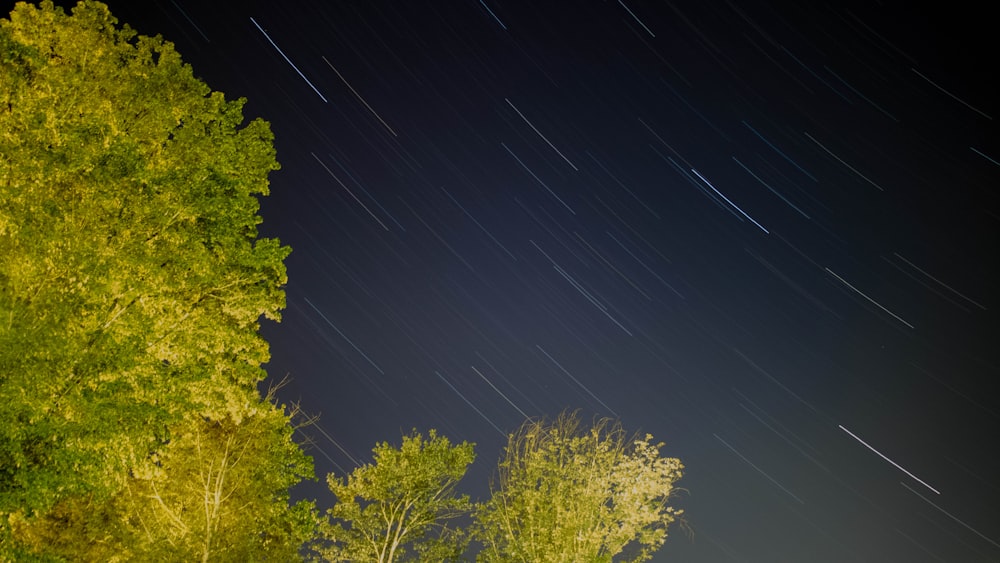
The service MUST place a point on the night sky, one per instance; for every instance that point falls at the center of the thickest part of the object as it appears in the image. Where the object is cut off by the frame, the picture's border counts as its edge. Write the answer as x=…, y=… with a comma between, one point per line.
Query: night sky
x=764, y=233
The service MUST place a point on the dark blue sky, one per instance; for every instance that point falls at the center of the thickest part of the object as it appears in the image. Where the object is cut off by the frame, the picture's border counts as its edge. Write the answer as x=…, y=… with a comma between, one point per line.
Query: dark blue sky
x=764, y=233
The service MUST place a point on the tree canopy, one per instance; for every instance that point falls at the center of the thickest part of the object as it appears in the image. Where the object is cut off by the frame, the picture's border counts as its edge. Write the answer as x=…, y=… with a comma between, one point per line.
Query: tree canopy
x=567, y=492
x=399, y=507
x=132, y=278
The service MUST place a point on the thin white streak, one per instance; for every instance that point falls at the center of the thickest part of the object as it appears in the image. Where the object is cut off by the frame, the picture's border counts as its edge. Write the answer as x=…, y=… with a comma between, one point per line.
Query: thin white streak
x=636, y=18
x=459, y=393
x=759, y=470
x=344, y=336
x=535, y=176
x=953, y=96
x=729, y=201
x=349, y=191
x=856, y=290
x=575, y=380
x=524, y=414
x=973, y=530
x=494, y=15
x=540, y=135
x=355, y=92
x=917, y=479
x=946, y=286
x=851, y=168
x=289, y=61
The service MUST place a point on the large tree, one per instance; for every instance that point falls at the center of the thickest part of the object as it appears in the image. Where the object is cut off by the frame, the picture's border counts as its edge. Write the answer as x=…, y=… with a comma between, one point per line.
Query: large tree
x=132, y=278
x=568, y=492
x=398, y=508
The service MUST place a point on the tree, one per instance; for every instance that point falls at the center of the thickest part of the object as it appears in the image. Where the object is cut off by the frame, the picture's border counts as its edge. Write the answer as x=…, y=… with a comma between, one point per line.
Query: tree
x=569, y=493
x=212, y=493
x=132, y=278
x=398, y=508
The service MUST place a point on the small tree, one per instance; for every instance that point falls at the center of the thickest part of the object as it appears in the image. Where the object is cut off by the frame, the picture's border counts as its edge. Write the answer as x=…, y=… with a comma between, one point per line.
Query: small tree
x=398, y=508
x=568, y=493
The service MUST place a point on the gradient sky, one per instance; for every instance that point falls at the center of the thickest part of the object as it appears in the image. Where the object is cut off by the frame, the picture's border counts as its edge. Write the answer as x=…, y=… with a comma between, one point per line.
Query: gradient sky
x=764, y=233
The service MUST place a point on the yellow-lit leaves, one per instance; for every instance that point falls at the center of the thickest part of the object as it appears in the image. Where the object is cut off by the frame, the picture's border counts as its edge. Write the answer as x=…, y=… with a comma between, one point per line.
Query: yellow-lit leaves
x=571, y=493
x=132, y=278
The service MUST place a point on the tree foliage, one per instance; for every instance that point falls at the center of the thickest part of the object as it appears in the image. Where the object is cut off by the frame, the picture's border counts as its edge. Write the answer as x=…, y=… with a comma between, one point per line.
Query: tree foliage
x=570, y=493
x=132, y=281
x=398, y=509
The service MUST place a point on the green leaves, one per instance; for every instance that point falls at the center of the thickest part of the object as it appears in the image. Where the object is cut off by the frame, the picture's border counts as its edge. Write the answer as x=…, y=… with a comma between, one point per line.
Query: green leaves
x=566, y=492
x=132, y=278
x=569, y=493
x=398, y=508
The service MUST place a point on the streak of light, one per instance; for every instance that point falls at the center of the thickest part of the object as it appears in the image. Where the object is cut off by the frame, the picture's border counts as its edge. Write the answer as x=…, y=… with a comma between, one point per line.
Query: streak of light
x=586, y=294
x=577, y=381
x=759, y=470
x=950, y=515
x=636, y=18
x=494, y=15
x=643, y=264
x=610, y=265
x=631, y=229
x=862, y=96
x=437, y=236
x=764, y=372
x=507, y=381
x=190, y=21
x=349, y=191
x=289, y=61
x=946, y=286
x=336, y=443
x=511, y=104
x=925, y=284
x=774, y=191
x=695, y=110
x=311, y=444
x=344, y=336
x=783, y=437
x=499, y=392
x=798, y=288
x=955, y=391
x=881, y=455
x=953, y=534
x=624, y=187
x=478, y=224
x=593, y=300
x=355, y=92
x=523, y=165
x=761, y=50
x=687, y=21
x=737, y=207
x=849, y=167
x=777, y=150
x=953, y=96
x=973, y=149
x=694, y=182
x=816, y=76
x=659, y=138
x=459, y=393
x=856, y=290
x=891, y=45
x=362, y=188
x=918, y=544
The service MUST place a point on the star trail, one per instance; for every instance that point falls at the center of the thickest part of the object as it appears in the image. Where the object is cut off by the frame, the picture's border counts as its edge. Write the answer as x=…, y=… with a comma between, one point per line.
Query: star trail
x=765, y=233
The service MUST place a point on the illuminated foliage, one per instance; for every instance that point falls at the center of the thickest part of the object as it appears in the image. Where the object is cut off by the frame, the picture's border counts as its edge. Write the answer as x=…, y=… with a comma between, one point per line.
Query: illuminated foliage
x=132, y=281
x=569, y=493
x=398, y=508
